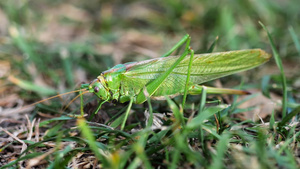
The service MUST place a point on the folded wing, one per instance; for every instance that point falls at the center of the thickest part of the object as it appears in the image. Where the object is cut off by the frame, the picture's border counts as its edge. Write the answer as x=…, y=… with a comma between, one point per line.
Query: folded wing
x=205, y=67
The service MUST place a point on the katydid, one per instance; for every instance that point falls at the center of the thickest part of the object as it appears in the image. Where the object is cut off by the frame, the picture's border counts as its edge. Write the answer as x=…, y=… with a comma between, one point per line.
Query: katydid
x=172, y=75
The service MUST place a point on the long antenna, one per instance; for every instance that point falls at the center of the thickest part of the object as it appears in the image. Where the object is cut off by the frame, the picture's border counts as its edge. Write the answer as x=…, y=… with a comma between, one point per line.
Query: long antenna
x=74, y=99
x=53, y=98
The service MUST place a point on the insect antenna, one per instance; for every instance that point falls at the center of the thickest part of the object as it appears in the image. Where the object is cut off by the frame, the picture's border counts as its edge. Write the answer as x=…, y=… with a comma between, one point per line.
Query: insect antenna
x=51, y=98
x=74, y=99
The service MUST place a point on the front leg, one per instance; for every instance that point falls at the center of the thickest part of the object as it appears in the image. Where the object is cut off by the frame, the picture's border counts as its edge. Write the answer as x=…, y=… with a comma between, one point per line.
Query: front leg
x=83, y=86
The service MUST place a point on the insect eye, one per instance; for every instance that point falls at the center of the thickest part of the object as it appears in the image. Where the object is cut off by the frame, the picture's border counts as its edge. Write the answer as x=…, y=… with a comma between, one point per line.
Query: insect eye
x=96, y=89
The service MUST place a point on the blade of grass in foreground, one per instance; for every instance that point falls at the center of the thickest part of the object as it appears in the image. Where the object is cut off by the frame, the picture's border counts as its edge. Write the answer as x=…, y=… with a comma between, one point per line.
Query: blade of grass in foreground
x=279, y=64
x=205, y=114
x=87, y=133
x=31, y=86
x=177, y=114
x=221, y=149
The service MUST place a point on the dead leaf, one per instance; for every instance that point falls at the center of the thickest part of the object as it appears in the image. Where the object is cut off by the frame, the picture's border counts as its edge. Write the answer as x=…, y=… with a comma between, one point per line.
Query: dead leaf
x=264, y=106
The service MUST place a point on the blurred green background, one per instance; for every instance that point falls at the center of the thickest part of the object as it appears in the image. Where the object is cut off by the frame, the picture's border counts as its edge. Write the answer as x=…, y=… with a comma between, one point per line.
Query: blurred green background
x=56, y=45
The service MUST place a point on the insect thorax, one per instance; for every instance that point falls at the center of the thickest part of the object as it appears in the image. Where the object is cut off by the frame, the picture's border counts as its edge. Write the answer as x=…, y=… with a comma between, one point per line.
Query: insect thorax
x=113, y=81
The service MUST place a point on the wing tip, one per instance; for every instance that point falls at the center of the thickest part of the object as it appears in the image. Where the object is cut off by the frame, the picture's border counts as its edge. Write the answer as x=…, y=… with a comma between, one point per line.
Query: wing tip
x=263, y=54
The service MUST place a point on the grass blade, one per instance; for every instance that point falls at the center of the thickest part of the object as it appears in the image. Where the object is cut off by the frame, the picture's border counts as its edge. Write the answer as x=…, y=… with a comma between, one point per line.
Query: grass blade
x=177, y=114
x=287, y=118
x=213, y=45
x=288, y=142
x=31, y=86
x=221, y=149
x=87, y=133
x=203, y=99
x=198, y=120
x=279, y=65
x=150, y=120
x=295, y=39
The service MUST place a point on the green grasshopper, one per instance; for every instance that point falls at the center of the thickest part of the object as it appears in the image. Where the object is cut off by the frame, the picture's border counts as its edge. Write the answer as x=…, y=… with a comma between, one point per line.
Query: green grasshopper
x=168, y=76
x=171, y=75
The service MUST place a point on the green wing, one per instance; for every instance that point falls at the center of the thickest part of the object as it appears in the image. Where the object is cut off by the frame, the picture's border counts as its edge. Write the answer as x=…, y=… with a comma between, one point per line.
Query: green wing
x=205, y=67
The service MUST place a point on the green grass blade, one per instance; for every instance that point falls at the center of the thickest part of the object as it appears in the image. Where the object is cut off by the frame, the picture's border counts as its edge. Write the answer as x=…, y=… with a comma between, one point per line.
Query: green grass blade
x=31, y=86
x=117, y=121
x=63, y=157
x=61, y=118
x=126, y=114
x=135, y=163
x=213, y=45
x=52, y=132
x=154, y=85
x=140, y=151
x=203, y=99
x=177, y=114
x=221, y=149
x=287, y=118
x=288, y=142
x=158, y=136
x=175, y=159
x=188, y=77
x=150, y=120
x=279, y=64
x=260, y=145
x=295, y=39
x=272, y=121
x=88, y=135
x=205, y=114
